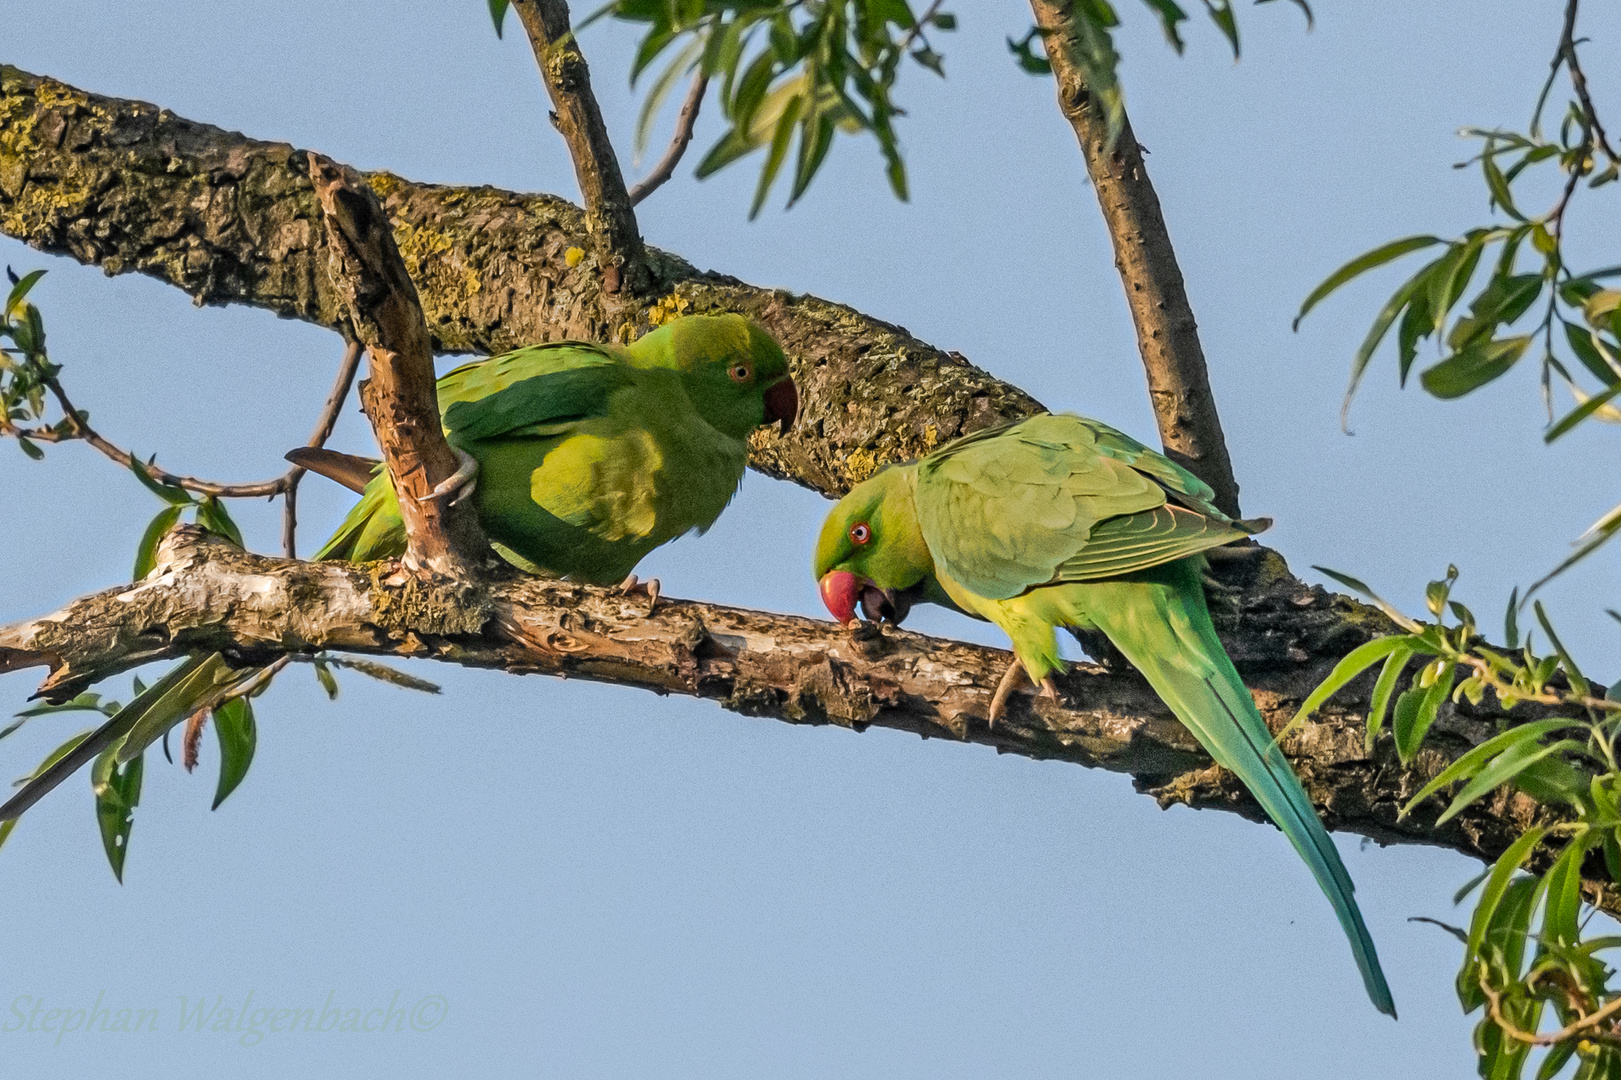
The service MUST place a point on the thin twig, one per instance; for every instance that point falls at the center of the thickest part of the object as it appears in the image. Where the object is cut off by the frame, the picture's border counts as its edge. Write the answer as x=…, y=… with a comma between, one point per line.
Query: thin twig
x=684, y=121
x=1494, y=1008
x=285, y=485
x=323, y=431
x=1578, y=79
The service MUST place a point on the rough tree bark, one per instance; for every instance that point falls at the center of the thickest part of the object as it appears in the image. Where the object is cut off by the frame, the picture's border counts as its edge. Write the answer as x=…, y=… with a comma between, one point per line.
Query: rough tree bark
x=1167, y=334
x=129, y=187
x=608, y=215
x=400, y=398
x=206, y=594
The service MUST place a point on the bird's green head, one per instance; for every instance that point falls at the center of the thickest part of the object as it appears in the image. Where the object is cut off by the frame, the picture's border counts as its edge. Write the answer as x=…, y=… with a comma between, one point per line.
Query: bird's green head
x=734, y=372
x=871, y=550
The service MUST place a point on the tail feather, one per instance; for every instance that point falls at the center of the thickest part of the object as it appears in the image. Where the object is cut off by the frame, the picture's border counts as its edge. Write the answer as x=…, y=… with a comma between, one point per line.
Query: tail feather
x=1159, y=621
x=373, y=529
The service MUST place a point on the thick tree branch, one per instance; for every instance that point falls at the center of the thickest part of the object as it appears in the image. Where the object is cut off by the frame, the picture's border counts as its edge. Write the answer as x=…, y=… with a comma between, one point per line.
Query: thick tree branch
x=609, y=218
x=129, y=187
x=206, y=594
x=1167, y=334
x=400, y=397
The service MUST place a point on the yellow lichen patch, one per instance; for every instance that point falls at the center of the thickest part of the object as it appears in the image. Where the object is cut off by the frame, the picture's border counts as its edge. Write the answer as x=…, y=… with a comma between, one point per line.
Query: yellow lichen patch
x=572, y=257
x=860, y=465
x=50, y=94
x=383, y=183
x=671, y=307
x=931, y=437
x=418, y=245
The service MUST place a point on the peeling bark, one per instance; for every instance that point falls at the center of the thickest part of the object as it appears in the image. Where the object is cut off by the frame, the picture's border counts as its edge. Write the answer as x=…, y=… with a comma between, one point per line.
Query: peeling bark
x=1167, y=334
x=206, y=594
x=400, y=397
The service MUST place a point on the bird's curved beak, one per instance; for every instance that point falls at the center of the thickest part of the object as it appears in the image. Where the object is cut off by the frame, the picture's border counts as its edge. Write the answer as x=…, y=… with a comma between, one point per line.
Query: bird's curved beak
x=841, y=590
x=782, y=403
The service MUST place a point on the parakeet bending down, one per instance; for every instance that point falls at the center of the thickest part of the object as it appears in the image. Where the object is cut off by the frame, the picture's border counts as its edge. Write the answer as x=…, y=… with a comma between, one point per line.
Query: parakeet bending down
x=582, y=458
x=1059, y=521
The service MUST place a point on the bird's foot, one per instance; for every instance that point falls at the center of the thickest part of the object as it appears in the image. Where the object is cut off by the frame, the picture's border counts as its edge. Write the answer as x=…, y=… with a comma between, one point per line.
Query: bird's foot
x=1010, y=682
x=460, y=483
x=632, y=585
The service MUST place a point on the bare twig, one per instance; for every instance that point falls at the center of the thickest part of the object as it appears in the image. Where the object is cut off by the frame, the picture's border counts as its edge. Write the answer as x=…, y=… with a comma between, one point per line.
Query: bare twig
x=610, y=219
x=1578, y=78
x=400, y=396
x=285, y=485
x=1167, y=335
x=684, y=120
x=323, y=431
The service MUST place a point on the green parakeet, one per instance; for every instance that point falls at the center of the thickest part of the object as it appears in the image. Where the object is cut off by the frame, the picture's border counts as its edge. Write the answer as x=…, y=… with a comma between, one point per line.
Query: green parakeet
x=586, y=458
x=1059, y=521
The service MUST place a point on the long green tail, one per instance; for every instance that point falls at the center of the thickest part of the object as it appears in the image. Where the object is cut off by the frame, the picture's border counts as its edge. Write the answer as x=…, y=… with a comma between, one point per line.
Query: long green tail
x=1158, y=619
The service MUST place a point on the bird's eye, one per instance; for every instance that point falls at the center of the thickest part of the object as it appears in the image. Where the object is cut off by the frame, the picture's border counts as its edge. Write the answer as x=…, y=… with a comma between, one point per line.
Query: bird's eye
x=741, y=373
x=859, y=533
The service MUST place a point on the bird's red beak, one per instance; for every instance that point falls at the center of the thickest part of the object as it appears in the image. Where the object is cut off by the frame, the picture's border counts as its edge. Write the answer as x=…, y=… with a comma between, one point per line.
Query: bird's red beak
x=840, y=590
x=782, y=403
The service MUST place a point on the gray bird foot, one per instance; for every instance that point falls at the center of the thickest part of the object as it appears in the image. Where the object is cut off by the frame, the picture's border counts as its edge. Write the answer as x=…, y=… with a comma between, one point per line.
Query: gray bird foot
x=459, y=483
x=632, y=585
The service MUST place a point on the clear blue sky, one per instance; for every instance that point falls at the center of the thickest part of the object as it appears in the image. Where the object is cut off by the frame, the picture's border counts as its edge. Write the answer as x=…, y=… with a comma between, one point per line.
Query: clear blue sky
x=601, y=883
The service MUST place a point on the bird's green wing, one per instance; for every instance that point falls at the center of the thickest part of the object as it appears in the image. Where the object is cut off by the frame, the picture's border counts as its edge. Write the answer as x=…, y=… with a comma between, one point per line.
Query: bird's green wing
x=530, y=391
x=1058, y=498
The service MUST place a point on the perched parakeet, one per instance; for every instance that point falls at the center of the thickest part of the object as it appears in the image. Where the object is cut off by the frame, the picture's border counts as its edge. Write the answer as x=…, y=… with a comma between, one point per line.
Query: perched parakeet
x=1059, y=521
x=581, y=458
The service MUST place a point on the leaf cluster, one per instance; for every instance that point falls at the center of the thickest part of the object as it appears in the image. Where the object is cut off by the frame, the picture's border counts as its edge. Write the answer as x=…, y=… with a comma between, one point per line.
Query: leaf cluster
x=1515, y=973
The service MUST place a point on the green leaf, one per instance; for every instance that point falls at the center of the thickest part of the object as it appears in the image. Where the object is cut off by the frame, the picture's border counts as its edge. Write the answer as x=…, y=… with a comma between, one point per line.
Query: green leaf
x=777, y=153
x=1498, y=184
x=29, y=449
x=156, y=712
x=1361, y=265
x=212, y=515
x=1496, y=885
x=1415, y=712
x=19, y=290
x=1572, y=672
x=1502, y=301
x=1511, y=623
x=1583, y=344
x=86, y=702
x=1504, y=769
x=1473, y=366
x=146, y=552
x=498, y=14
x=118, y=790
x=1221, y=13
x=1558, y=1057
x=176, y=496
x=1376, y=334
x=323, y=675
x=1350, y=666
x=238, y=736
x=1467, y=764
x=1379, y=704
x=1583, y=411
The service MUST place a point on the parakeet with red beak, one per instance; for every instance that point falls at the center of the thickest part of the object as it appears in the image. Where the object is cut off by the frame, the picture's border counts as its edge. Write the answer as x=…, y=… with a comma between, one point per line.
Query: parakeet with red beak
x=1059, y=521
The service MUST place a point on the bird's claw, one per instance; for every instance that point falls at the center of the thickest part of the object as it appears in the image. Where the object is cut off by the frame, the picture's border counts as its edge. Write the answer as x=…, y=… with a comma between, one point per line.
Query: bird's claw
x=632, y=585
x=459, y=483
x=1010, y=682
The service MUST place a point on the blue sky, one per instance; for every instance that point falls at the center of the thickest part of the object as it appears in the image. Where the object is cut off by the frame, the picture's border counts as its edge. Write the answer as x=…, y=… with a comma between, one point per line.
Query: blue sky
x=599, y=883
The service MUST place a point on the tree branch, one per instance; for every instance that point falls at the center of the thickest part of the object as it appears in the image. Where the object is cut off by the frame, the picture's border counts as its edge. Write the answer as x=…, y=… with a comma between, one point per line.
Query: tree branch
x=323, y=431
x=205, y=594
x=609, y=218
x=400, y=397
x=128, y=187
x=1167, y=333
x=684, y=122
